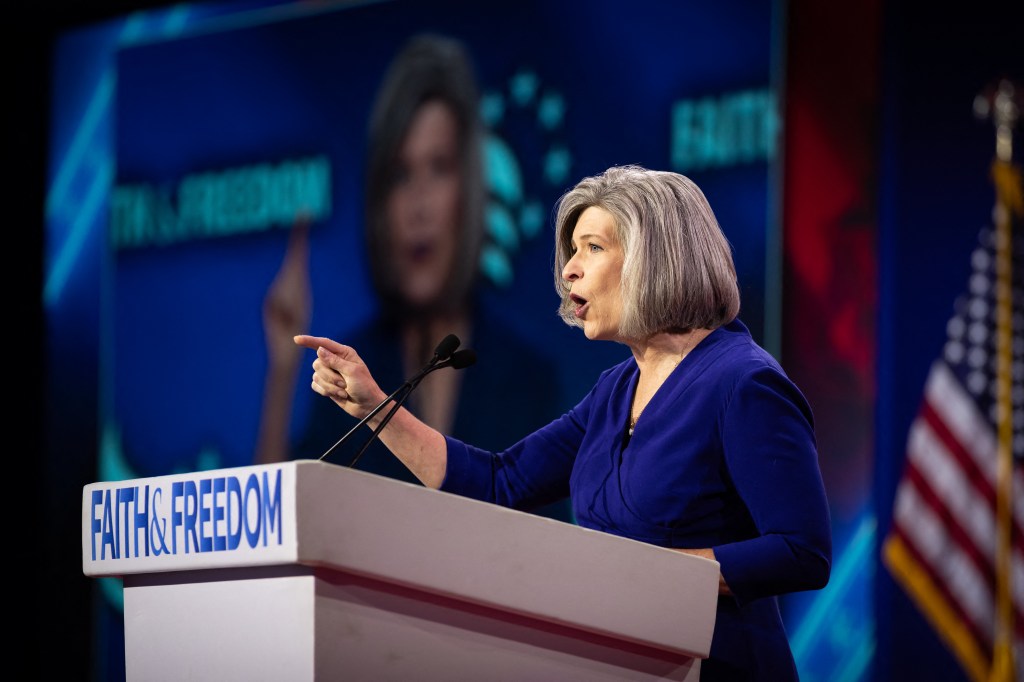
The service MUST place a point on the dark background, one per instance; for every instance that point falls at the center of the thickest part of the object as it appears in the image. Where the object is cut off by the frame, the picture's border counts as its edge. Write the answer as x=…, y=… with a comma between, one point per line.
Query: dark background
x=893, y=80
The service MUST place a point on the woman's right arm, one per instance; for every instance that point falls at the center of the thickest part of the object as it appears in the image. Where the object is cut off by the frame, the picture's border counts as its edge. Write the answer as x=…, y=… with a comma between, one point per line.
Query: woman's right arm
x=341, y=375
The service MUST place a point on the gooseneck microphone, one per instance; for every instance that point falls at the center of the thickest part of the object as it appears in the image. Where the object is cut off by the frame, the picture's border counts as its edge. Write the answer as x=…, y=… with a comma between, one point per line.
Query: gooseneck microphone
x=458, y=360
x=443, y=352
x=444, y=356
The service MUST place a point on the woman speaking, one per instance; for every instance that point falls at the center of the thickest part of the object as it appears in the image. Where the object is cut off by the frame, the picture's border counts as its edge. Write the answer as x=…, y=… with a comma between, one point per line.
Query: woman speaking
x=699, y=442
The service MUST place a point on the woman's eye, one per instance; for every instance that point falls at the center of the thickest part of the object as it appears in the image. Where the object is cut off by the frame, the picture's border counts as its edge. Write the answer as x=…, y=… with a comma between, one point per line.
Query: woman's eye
x=594, y=248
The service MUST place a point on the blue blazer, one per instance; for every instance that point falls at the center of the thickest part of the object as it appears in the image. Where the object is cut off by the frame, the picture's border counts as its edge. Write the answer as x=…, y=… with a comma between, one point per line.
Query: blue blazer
x=723, y=457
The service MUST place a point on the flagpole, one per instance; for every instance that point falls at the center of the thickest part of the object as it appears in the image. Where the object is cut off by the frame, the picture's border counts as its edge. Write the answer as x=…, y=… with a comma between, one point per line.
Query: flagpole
x=1005, y=110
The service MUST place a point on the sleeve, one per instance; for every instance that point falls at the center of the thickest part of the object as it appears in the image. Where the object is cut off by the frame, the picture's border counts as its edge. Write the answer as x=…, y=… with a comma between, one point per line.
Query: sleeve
x=533, y=472
x=772, y=458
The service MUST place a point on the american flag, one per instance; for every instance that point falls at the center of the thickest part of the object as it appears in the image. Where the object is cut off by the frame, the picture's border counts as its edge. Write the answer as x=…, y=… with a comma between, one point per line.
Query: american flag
x=955, y=545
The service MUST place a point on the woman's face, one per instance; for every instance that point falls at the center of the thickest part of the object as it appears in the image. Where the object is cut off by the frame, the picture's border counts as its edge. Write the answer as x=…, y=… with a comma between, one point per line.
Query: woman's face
x=595, y=274
x=424, y=205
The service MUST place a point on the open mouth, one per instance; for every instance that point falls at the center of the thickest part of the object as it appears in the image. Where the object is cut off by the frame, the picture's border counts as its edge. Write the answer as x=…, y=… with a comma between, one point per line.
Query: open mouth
x=420, y=252
x=581, y=304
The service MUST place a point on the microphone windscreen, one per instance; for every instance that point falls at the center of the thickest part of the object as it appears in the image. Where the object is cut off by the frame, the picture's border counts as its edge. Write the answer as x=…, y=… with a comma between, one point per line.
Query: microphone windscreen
x=447, y=347
x=463, y=358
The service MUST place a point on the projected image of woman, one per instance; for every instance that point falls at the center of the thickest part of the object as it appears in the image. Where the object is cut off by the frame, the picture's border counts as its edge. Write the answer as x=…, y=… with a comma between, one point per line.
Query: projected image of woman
x=424, y=203
x=425, y=197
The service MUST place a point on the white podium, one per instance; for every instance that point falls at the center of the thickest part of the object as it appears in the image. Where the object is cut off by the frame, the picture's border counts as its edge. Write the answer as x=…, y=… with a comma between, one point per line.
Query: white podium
x=309, y=571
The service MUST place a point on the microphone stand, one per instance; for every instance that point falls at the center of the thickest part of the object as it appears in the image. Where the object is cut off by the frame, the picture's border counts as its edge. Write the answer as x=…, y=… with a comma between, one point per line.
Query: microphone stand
x=408, y=386
x=458, y=360
x=404, y=387
x=445, y=349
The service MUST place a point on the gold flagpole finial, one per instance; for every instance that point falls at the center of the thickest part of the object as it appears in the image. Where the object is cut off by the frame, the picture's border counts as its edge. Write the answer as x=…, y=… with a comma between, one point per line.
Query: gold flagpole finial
x=1002, y=103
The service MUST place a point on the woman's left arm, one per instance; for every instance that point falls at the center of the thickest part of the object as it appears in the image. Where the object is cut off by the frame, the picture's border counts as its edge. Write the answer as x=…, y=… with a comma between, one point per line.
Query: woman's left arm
x=723, y=587
x=772, y=458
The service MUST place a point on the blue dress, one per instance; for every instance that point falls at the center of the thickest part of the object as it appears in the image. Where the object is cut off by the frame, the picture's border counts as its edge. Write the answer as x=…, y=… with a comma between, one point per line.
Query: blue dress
x=723, y=457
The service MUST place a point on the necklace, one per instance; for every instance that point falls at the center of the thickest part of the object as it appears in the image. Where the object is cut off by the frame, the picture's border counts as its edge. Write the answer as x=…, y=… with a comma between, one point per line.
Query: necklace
x=694, y=340
x=633, y=418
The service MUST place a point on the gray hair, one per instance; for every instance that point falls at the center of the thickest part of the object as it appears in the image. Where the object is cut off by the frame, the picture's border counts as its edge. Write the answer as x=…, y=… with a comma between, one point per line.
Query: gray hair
x=678, y=272
x=429, y=68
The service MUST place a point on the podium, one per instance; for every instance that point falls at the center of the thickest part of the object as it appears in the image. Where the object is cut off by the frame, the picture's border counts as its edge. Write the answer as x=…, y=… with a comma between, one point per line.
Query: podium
x=305, y=570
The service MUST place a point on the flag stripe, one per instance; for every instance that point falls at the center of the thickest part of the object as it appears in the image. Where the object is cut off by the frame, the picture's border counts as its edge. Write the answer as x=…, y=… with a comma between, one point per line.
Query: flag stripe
x=958, y=411
x=923, y=539
x=937, y=474
x=980, y=476
x=967, y=467
x=958, y=536
x=929, y=598
x=952, y=507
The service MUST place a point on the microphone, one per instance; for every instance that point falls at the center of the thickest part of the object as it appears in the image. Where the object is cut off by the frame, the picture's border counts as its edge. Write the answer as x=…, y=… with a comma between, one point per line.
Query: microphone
x=445, y=349
x=457, y=360
x=442, y=353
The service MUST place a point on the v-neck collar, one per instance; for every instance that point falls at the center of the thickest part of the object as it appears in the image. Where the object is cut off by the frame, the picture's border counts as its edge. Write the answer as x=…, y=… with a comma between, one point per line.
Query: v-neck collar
x=681, y=376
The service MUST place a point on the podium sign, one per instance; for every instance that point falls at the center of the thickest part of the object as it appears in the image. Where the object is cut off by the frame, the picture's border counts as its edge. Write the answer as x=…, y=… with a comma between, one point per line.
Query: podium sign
x=306, y=570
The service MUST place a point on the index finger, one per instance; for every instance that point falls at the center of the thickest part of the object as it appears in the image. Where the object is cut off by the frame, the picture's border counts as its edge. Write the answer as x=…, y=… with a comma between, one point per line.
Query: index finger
x=315, y=342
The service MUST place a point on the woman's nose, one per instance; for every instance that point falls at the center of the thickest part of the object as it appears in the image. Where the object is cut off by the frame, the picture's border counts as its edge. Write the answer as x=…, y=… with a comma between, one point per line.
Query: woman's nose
x=571, y=270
